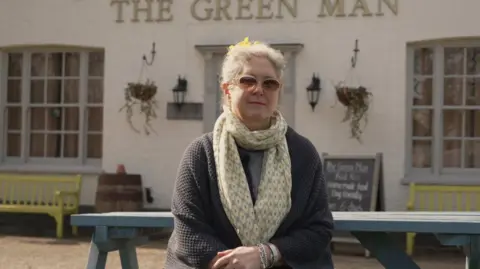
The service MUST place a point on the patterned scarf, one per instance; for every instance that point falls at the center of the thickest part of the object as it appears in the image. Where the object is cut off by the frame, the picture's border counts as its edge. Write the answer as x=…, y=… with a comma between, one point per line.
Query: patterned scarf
x=254, y=223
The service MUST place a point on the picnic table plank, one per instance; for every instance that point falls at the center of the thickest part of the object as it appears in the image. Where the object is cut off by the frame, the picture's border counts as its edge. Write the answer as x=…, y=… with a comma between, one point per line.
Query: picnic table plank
x=421, y=222
x=125, y=219
x=401, y=222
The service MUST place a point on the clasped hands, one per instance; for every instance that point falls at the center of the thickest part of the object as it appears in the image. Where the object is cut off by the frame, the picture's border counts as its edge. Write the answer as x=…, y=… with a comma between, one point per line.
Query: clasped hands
x=238, y=258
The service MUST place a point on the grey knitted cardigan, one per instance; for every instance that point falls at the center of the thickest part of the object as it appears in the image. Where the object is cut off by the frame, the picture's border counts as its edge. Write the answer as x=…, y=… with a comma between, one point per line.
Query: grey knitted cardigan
x=202, y=228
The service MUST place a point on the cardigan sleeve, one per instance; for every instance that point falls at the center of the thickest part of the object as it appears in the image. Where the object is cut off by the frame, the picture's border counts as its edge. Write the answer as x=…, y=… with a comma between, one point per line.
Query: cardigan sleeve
x=310, y=237
x=196, y=243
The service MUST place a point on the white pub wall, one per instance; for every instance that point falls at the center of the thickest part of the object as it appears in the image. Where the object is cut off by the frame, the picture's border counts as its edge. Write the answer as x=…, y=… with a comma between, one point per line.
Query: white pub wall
x=328, y=44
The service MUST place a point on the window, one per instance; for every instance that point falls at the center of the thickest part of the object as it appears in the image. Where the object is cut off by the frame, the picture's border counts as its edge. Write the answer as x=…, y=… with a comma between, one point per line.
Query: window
x=53, y=105
x=445, y=108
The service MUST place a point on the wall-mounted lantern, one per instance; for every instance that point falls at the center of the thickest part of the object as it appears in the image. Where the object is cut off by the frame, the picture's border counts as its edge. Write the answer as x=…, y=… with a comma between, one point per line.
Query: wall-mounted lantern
x=180, y=91
x=313, y=91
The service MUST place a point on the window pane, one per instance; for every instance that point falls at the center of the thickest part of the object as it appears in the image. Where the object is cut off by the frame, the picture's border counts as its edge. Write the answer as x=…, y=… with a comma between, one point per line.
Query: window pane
x=452, y=153
x=72, y=64
x=14, y=91
x=37, y=91
x=37, y=145
x=422, y=122
x=454, y=60
x=70, y=91
x=422, y=153
x=71, y=118
x=453, y=91
x=55, y=64
x=452, y=123
x=95, y=91
x=95, y=63
x=95, y=118
x=37, y=118
x=54, y=91
x=38, y=65
x=14, y=119
x=472, y=123
x=472, y=154
x=473, y=92
x=422, y=92
x=14, y=145
x=423, y=61
x=54, y=145
x=473, y=61
x=15, y=63
x=70, y=146
x=94, y=146
x=54, y=119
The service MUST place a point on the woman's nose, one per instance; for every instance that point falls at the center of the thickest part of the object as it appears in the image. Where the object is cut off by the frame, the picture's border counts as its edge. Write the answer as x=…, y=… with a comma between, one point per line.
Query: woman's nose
x=258, y=89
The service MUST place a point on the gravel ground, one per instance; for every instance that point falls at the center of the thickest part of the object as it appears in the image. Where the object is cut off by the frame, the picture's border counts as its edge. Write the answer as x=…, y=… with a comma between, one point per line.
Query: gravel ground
x=47, y=253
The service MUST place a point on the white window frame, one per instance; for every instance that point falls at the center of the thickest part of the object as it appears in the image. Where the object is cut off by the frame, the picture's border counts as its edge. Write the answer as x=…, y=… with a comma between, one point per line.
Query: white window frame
x=435, y=173
x=24, y=160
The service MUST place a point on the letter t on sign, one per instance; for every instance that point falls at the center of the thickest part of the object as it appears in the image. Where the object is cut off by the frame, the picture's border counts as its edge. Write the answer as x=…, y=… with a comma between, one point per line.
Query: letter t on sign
x=119, y=4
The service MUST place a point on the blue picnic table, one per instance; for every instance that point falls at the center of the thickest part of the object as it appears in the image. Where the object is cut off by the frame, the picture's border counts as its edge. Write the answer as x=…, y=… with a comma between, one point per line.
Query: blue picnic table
x=124, y=231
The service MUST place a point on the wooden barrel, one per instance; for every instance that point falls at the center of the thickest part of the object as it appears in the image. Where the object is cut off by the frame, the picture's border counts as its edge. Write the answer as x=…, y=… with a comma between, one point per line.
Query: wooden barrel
x=119, y=192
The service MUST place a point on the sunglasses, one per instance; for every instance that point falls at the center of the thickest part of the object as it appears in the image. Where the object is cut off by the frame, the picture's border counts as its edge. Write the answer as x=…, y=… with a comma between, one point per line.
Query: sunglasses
x=250, y=83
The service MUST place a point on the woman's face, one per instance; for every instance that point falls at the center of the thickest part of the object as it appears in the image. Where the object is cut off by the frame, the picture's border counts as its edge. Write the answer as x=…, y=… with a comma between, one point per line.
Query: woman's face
x=254, y=94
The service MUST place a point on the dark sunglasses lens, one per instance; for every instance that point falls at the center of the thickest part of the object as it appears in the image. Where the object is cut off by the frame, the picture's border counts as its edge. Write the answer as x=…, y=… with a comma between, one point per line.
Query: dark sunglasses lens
x=248, y=82
x=271, y=84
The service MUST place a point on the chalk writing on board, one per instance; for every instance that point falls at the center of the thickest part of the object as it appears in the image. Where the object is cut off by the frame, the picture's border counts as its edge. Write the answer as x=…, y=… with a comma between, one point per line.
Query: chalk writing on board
x=349, y=183
x=350, y=206
x=353, y=191
x=357, y=167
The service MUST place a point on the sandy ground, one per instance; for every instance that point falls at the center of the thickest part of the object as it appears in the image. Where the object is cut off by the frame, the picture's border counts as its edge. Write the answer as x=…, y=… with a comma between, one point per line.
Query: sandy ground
x=47, y=253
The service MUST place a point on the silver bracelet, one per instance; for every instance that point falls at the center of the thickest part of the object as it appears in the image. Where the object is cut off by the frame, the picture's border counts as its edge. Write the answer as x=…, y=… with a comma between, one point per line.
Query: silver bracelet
x=275, y=253
x=273, y=258
x=263, y=255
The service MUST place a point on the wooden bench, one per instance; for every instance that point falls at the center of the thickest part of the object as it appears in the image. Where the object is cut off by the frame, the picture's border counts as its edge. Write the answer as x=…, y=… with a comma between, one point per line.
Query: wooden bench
x=56, y=196
x=439, y=198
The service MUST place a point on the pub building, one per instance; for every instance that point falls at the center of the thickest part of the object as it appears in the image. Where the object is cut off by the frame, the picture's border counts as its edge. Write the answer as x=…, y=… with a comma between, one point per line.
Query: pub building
x=66, y=67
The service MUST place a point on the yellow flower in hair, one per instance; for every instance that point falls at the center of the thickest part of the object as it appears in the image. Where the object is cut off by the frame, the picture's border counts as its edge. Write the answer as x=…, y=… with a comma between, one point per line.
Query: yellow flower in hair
x=245, y=43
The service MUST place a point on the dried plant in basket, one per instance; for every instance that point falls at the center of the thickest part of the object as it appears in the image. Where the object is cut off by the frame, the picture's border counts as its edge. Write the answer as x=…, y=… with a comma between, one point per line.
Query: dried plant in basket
x=357, y=101
x=142, y=95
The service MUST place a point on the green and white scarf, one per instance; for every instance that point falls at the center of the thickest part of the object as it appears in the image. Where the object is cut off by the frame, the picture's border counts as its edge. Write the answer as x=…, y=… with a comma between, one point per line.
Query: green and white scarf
x=254, y=224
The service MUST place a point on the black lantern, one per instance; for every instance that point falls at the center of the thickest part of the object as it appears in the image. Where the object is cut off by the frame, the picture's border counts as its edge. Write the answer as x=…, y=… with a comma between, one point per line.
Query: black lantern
x=180, y=91
x=313, y=91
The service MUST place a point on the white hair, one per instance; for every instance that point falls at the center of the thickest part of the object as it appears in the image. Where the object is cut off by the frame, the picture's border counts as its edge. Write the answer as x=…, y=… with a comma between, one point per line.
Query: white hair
x=239, y=56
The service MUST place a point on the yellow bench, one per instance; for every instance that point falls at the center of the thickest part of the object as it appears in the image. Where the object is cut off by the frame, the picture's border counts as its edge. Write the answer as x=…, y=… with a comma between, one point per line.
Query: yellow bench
x=56, y=196
x=441, y=198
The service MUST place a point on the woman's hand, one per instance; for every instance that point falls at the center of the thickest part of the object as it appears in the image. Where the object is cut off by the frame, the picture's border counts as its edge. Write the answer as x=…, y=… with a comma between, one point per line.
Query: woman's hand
x=219, y=255
x=239, y=258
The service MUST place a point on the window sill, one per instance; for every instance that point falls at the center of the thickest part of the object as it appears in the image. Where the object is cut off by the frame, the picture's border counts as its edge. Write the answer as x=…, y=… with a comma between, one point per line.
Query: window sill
x=444, y=179
x=48, y=169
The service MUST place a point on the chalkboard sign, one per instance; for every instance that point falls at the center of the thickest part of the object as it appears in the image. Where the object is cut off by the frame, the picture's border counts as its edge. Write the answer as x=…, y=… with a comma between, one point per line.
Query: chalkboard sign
x=354, y=183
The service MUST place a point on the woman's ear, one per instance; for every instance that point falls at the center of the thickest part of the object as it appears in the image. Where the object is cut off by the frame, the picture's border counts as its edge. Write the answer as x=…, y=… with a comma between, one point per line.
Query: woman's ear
x=225, y=88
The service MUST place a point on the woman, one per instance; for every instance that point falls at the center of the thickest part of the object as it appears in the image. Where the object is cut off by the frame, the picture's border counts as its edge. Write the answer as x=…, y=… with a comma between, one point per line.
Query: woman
x=251, y=194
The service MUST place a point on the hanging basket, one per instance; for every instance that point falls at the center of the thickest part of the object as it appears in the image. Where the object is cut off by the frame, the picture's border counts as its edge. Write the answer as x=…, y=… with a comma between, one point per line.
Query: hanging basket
x=352, y=96
x=143, y=92
x=357, y=101
x=141, y=95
